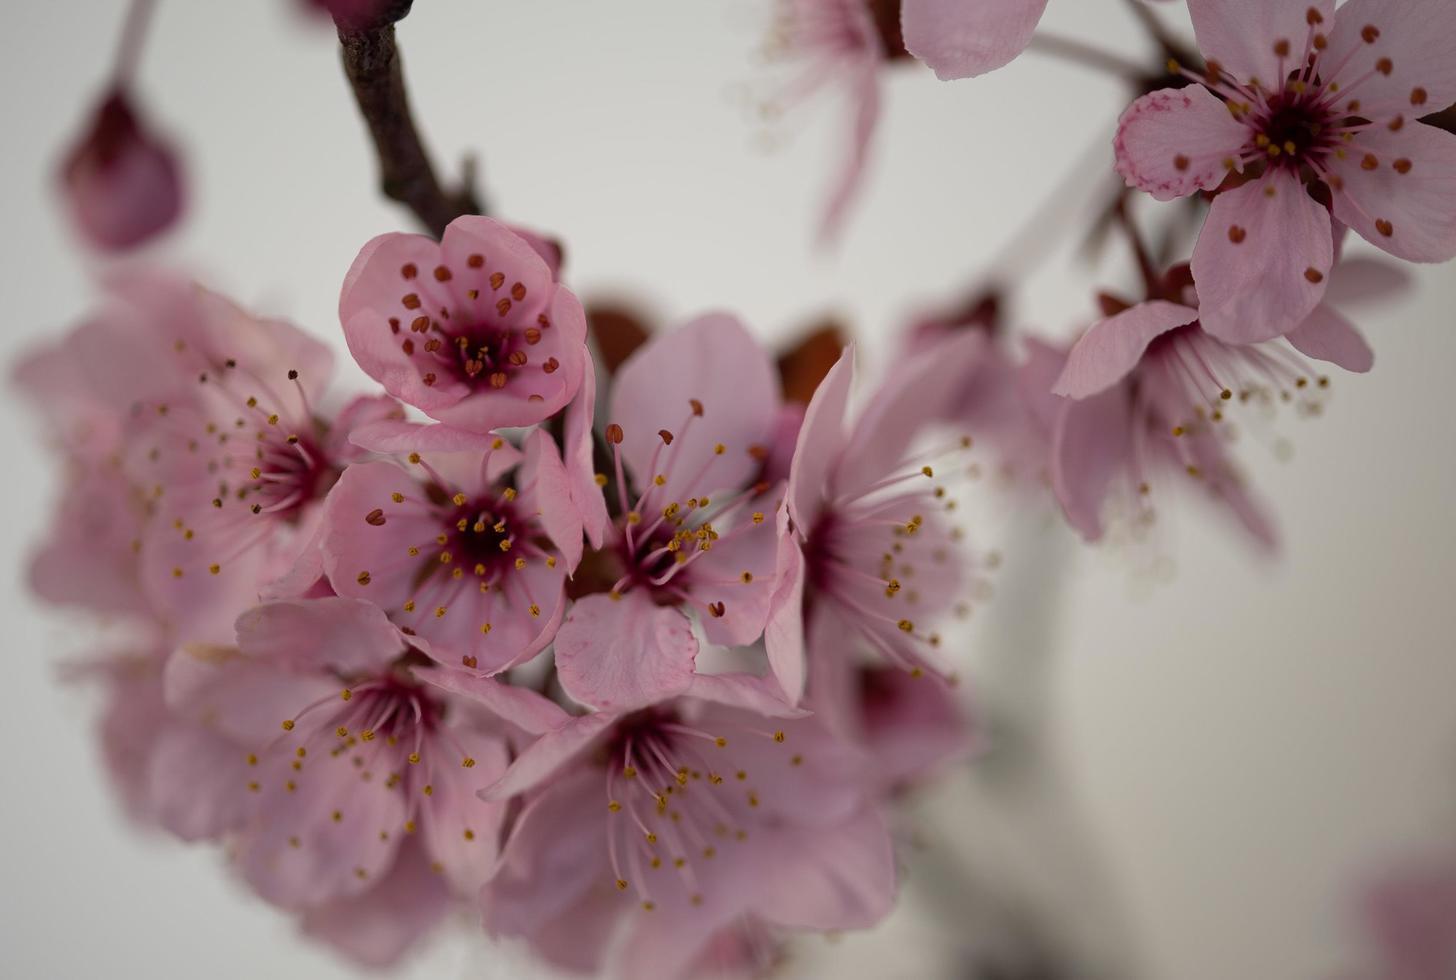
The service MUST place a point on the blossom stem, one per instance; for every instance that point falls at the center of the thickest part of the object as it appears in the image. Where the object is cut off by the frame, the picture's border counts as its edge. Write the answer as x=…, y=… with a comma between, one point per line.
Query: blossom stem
x=372, y=64
x=133, y=33
x=1140, y=250
x=1085, y=54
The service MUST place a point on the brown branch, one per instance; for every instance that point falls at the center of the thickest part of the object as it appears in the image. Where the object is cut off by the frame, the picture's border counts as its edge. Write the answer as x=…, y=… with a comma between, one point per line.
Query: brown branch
x=372, y=64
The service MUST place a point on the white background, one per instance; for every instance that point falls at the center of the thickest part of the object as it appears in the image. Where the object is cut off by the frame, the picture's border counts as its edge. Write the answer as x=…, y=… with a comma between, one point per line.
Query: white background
x=1249, y=741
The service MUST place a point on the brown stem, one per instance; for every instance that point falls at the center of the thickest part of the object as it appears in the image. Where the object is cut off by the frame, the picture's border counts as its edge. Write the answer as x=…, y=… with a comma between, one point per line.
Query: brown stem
x=372, y=64
x=1084, y=54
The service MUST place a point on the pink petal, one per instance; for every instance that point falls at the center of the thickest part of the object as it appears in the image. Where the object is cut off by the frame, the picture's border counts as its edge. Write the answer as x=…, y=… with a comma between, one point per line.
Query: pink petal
x=580, y=455
x=1113, y=347
x=1417, y=207
x=556, y=854
x=961, y=38
x=1174, y=142
x=401, y=436
x=832, y=879
x=821, y=440
x=716, y=362
x=1261, y=260
x=548, y=754
x=195, y=782
x=1089, y=450
x=759, y=695
x=520, y=706
x=1416, y=35
x=245, y=699
x=460, y=831
x=1042, y=366
x=916, y=393
x=1327, y=336
x=545, y=490
x=297, y=854
x=377, y=928
x=348, y=636
x=621, y=653
x=1241, y=34
x=783, y=634
x=739, y=573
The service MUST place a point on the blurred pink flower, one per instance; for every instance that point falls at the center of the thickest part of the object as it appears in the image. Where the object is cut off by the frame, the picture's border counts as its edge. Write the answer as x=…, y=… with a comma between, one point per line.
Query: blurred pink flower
x=222, y=437
x=1305, y=110
x=473, y=331
x=1146, y=392
x=695, y=411
x=996, y=401
x=838, y=44
x=859, y=541
x=1413, y=920
x=469, y=552
x=121, y=181
x=338, y=757
x=673, y=823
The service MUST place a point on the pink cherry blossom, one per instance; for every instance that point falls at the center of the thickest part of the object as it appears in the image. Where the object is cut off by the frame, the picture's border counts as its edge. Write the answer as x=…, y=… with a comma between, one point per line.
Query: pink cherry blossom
x=465, y=542
x=863, y=537
x=1148, y=389
x=838, y=44
x=340, y=756
x=648, y=834
x=695, y=413
x=1410, y=916
x=1302, y=111
x=121, y=181
x=225, y=438
x=473, y=331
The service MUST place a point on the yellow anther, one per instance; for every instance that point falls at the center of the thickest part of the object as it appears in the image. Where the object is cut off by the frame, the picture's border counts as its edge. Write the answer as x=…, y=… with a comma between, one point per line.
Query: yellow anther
x=288, y=725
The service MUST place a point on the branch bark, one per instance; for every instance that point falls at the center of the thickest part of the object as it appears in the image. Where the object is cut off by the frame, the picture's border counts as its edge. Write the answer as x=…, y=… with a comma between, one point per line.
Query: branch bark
x=373, y=66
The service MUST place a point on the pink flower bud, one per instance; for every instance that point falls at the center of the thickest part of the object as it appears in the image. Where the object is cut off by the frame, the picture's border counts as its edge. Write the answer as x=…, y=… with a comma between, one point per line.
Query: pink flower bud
x=121, y=182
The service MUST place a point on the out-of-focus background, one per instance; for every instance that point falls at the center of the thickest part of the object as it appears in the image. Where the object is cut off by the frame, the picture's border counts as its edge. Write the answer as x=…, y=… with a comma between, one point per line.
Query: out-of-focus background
x=1231, y=745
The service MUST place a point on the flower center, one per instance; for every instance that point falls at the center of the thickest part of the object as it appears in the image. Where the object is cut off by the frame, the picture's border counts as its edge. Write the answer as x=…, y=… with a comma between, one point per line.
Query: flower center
x=675, y=795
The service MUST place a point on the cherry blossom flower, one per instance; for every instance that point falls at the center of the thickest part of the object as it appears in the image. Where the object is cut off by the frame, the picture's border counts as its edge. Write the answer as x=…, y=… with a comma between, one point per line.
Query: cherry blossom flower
x=696, y=411
x=356, y=781
x=670, y=824
x=465, y=543
x=1147, y=391
x=473, y=331
x=224, y=439
x=858, y=541
x=1303, y=111
x=121, y=181
x=838, y=44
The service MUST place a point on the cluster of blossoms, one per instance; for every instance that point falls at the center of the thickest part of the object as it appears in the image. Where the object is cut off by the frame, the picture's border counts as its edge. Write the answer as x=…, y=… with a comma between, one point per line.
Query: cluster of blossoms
x=344, y=607
x=639, y=660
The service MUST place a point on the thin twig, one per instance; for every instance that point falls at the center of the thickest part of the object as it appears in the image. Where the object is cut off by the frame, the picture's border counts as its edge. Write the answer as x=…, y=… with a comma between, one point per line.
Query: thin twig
x=372, y=64
x=133, y=32
x=1085, y=54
